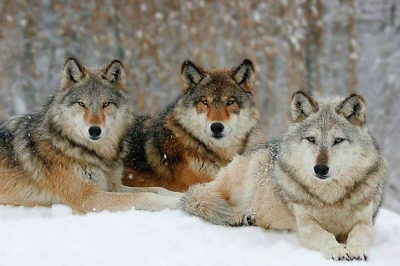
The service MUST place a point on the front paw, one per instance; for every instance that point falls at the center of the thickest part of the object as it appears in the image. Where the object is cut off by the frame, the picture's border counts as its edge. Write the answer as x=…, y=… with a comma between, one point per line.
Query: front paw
x=172, y=203
x=249, y=220
x=356, y=252
x=245, y=220
x=337, y=253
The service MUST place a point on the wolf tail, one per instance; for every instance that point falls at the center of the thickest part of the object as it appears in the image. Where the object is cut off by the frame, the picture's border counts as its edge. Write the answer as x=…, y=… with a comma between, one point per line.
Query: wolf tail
x=202, y=201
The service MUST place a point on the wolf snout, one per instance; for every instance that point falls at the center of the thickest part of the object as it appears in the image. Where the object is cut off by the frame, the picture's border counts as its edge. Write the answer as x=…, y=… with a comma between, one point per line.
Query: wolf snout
x=217, y=129
x=94, y=132
x=321, y=171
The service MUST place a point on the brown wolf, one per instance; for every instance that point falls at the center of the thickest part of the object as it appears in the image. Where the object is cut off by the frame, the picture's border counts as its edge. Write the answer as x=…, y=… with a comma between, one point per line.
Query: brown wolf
x=324, y=180
x=70, y=152
x=187, y=143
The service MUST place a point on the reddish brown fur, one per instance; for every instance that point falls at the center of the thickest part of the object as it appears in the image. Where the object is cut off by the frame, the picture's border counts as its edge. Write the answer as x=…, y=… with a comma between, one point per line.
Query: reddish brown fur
x=323, y=157
x=95, y=119
x=218, y=114
x=45, y=158
x=70, y=190
x=182, y=175
x=218, y=111
x=175, y=149
x=178, y=174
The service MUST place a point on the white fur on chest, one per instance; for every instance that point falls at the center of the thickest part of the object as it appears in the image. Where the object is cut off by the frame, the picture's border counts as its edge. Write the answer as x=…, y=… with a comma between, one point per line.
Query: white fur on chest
x=338, y=220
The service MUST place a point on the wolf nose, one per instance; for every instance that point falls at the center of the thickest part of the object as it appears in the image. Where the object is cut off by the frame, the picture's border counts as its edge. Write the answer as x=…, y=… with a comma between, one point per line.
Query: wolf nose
x=217, y=128
x=94, y=132
x=321, y=170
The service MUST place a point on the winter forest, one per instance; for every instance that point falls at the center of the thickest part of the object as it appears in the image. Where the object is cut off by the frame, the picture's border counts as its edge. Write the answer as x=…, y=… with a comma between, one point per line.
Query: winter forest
x=323, y=47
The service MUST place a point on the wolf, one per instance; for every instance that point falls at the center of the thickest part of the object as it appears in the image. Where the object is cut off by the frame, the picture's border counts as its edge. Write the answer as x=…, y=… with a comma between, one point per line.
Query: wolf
x=70, y=152
x=187, y=143
x=324, y=180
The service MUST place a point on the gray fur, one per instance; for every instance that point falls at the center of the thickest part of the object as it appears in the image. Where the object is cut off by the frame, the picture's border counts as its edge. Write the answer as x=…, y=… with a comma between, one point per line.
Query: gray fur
x=51, y=157
x=278, y=184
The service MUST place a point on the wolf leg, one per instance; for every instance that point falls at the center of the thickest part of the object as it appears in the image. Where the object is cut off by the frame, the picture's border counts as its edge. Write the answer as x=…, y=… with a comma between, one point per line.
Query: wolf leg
x=112, y=201
x=313, y=236
x=225, y=200
x=359, y=240
x=157, y=190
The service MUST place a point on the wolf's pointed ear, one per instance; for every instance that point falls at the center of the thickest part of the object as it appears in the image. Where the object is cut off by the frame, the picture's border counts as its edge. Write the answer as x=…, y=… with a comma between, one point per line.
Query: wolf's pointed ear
x=244, y=74
x=191, y=74
x=353, y=109
x=73, y=71
x=302, y=106
x=115, y=74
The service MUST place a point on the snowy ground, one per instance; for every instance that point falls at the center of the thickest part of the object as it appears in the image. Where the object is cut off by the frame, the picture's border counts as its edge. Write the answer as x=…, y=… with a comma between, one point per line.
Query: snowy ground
x=54, y=236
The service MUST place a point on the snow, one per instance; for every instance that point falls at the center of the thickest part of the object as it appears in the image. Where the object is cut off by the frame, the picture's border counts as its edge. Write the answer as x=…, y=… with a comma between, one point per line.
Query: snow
x=55, y=236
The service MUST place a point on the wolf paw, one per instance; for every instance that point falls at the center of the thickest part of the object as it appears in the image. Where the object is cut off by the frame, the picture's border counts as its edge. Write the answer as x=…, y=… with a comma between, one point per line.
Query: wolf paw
x=249, y=220
x=337, y=253
x=172, y=203
x=356, y=252
x=245, y=220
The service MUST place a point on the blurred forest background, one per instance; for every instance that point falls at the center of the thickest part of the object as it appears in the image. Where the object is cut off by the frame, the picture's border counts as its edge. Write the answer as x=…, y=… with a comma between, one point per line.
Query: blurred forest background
x=323, y=46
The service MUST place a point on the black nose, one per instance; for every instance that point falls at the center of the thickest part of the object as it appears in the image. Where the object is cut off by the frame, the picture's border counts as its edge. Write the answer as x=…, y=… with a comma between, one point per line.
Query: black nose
x=217, y=128
x=94, y=132
x=321, y=170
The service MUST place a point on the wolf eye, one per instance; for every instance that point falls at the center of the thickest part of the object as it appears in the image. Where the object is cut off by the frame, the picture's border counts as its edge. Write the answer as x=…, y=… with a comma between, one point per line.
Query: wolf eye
x=106, y=104
x=311, y=139
x=337, y=141
x=81, y=104
x=204, y=101
x=230, y=102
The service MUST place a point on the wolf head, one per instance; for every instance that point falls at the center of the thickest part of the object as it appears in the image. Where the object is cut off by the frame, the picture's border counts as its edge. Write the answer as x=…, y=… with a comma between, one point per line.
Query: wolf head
x=218, y=106
x=91, y=107
x=328, y=143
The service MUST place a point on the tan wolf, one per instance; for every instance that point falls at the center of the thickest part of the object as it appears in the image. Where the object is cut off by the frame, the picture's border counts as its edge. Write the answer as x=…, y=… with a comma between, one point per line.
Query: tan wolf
x=70, y=151
x=187, y=143
x=324, y=180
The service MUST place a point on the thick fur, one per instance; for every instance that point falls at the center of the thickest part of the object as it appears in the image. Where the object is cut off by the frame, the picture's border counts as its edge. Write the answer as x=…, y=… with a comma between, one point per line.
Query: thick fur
x=277, y=185
x=176, y=147
x=49, y=157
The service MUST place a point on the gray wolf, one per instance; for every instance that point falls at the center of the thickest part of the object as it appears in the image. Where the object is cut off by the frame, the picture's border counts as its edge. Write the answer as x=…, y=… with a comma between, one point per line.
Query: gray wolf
x=70, y=151
x=187, y=143
x=324, y=180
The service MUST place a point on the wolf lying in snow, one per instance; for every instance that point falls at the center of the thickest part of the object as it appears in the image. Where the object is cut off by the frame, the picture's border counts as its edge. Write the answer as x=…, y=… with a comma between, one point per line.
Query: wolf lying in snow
x=324, y=180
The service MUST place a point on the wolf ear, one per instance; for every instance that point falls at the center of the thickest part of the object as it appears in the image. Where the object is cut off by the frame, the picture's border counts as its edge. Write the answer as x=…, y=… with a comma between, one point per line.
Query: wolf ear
x=353, y=109
x=302, y=106
x=244, y=75
x=73, y=71
x=191, y=74
x=115, y=74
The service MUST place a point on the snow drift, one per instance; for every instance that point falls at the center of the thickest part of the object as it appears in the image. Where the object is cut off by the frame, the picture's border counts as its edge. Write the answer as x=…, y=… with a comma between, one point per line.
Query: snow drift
x=55, y=236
